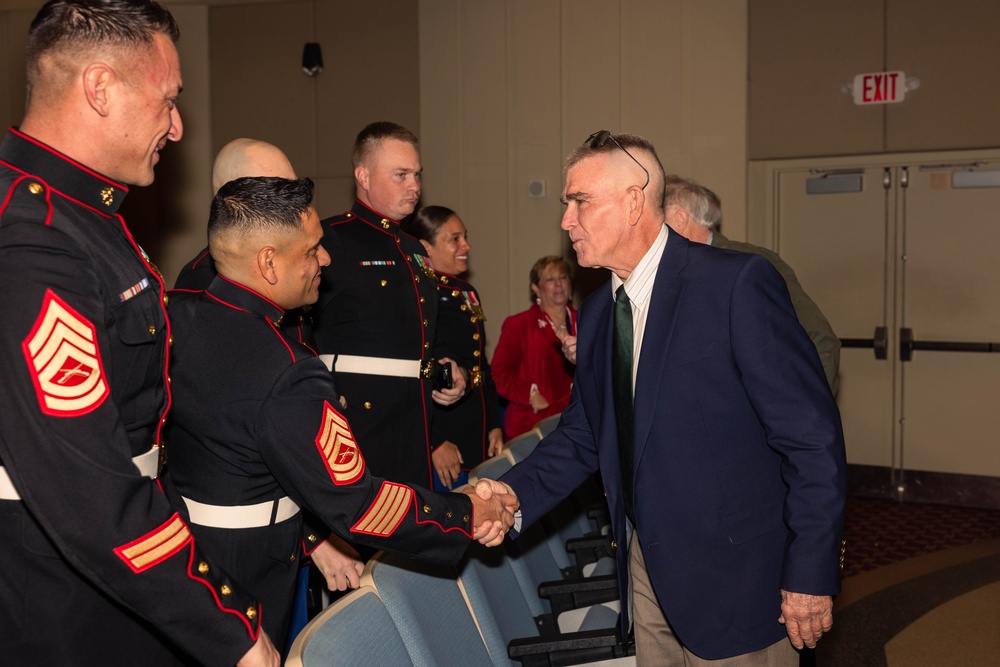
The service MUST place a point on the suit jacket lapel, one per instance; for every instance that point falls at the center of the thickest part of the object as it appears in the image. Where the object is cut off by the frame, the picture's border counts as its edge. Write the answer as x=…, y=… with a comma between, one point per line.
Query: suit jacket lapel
x=656, y=338
x=599, y=320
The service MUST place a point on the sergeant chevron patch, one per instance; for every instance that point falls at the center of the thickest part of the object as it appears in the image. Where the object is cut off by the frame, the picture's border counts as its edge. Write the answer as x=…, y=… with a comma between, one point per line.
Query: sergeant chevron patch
x=386, y=511
x=155, y=546
x=339, y=450
x=64, y=361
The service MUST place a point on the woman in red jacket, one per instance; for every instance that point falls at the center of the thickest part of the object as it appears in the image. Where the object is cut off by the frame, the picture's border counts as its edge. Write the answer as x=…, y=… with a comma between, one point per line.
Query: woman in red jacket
x=529, y=366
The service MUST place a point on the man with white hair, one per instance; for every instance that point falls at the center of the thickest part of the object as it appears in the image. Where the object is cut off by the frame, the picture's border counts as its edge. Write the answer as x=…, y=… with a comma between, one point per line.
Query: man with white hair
x=695, y=212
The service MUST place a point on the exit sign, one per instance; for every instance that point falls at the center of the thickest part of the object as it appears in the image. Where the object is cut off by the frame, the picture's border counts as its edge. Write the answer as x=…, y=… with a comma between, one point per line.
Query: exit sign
x=879, y=88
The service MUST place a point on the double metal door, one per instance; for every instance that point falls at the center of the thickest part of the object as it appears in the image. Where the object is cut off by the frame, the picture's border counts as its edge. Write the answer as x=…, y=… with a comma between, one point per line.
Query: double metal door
x=902, y=257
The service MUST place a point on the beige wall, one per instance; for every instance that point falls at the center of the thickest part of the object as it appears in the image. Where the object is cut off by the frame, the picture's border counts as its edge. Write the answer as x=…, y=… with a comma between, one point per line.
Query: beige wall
x=509, y=88
x=498, y=91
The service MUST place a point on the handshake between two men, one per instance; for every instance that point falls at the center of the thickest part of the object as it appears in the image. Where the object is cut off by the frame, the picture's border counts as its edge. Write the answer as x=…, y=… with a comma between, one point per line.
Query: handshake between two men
x=494, y=505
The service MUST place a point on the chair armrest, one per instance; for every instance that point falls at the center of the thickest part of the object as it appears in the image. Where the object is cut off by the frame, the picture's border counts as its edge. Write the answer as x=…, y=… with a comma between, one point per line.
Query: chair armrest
x=570, y=649
x=576, y=593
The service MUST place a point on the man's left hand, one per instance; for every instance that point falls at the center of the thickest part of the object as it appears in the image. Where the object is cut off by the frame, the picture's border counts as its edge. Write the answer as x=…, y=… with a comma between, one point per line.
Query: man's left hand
x=806, y=617
x=458, y=383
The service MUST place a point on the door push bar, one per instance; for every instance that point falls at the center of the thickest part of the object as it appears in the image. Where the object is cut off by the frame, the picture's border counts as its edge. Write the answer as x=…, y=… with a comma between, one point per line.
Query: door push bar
x=879, y=342
x=907, y=345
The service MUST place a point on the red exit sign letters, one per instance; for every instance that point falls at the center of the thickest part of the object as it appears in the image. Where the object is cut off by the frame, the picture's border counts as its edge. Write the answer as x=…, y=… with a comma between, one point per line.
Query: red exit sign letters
x=879, y=88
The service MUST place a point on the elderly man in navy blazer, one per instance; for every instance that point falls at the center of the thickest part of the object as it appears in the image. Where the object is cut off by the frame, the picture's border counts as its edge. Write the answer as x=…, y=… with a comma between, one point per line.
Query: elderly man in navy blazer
x=725, y=475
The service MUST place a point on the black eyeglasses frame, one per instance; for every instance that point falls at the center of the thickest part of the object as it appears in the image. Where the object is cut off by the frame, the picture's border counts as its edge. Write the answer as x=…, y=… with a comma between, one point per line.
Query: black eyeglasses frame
x=601, y=137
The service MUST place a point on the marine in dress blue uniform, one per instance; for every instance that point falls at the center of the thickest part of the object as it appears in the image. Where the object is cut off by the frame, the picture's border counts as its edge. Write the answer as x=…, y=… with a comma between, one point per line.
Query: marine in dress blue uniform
x=257, y=429
x=461, y=334
x=379, y=305
x=98, y=567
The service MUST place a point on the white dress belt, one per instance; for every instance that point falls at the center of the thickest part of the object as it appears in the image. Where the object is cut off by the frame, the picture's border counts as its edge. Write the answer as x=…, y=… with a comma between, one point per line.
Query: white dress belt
x=148, y=465
x=350, y=363
x=240, y=516
x=7, y=490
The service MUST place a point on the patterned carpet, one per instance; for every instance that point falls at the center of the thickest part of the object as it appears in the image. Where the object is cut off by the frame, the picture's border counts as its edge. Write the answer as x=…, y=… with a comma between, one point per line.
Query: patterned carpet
x=880, y=532
x=912, y=573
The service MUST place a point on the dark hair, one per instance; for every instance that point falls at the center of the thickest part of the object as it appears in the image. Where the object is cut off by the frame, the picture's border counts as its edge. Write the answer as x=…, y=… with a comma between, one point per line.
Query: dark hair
x=373, y=134
x=426, y=222
x=86, y=23
x=254, y=203
x=632, y=143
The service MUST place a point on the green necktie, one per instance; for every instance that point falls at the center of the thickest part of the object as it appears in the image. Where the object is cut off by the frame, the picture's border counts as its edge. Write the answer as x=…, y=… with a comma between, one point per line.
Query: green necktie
x=621, y=387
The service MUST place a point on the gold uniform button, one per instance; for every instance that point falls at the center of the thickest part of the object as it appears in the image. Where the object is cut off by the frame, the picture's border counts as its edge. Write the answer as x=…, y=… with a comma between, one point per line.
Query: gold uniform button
x=226, y=590
x=203, y=567
x=291, y=558
x=614, y=545
x=476, y=353
x=312, y=538
x=152, y=330
x=465, y=519
x=425, y=322
x=427, y=509
x=473, y=319
x=170, y=341
x=252, y=613
x=166, y=300
x=454, y=292
x=475, y=336
x=384, y=283
x=427, y=346
x=36, y=188
x=416, y=279
x=368, y=405
x=422, y=300
x=449, y=514
x=385, y=223
x=463, y=307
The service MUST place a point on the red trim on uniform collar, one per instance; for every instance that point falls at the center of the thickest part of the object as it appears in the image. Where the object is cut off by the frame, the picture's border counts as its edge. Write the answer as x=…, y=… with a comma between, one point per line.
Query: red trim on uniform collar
x=363, y=205
x=65, y=157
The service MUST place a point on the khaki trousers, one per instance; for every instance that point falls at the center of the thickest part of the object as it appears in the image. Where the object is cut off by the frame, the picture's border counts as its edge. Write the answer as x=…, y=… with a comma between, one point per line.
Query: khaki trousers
x=655, y=642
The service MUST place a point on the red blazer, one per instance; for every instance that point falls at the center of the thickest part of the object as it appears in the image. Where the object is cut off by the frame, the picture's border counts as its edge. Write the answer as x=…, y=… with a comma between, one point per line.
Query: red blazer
x=527, y=353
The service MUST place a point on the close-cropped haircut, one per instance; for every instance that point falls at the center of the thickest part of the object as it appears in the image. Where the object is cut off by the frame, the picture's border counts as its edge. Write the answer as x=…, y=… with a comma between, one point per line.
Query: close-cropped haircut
x=372, y=136
x=640, y=150
x=259, y=203
x=427, y=222
x=66, y=25
x=703, y=205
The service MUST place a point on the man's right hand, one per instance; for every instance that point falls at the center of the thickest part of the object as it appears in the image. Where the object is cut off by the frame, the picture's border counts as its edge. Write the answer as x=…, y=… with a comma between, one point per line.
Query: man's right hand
x=491, y=514
x=263, y=654
x=488, y=488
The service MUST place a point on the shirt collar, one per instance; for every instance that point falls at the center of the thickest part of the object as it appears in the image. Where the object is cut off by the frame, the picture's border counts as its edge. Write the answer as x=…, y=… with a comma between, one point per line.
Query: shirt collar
x=62, y=173
x=640, y=282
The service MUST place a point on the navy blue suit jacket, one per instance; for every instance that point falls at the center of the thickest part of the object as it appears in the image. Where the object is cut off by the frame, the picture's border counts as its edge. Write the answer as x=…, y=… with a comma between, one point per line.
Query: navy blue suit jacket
x=739, y=462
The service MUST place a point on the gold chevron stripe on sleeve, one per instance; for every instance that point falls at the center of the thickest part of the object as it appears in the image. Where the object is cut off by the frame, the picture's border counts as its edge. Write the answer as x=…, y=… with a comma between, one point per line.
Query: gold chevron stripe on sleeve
x=338, y=448
x=155, y=546
x=386, y=511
